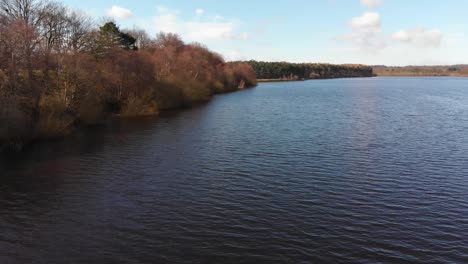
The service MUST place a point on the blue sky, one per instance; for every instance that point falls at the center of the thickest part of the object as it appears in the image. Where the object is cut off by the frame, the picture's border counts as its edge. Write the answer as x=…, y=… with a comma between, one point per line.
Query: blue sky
x=391, y=32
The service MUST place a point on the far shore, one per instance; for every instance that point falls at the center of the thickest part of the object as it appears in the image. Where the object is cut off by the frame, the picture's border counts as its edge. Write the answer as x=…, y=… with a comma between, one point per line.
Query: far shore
x=420, y=75
x=279, y=80
x=301, y=80
x=432, y=71
x=401, y=75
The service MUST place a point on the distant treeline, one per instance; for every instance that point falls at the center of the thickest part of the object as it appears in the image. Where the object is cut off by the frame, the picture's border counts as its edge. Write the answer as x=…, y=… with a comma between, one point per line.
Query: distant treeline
x=58, y=69
x=454, y=70
x=303, y=71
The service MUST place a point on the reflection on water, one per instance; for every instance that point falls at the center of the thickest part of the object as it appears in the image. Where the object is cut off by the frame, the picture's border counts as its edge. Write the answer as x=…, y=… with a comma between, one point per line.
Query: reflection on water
x=346, y=170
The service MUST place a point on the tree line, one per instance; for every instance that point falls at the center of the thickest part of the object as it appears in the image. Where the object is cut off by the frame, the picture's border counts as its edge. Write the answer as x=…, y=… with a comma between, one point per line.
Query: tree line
x=304, y=71
x=58, y=70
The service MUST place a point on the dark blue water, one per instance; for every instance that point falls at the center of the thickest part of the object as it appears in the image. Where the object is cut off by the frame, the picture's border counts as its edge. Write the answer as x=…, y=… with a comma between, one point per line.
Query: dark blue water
x=347, y=170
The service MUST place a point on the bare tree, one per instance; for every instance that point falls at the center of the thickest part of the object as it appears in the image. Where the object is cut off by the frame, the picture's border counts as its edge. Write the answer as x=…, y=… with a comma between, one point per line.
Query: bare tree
x=143, y=40
x=78, y=37
x=51, y=32
x=28, y=11
x=25, y=16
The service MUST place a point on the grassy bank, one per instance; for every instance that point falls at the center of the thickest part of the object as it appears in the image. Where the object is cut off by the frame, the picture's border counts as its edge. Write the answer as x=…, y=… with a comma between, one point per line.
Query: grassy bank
x=453, y=70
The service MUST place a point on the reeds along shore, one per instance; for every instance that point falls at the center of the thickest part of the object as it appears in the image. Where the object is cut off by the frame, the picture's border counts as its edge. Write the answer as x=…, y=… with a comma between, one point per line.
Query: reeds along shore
x=58, y=70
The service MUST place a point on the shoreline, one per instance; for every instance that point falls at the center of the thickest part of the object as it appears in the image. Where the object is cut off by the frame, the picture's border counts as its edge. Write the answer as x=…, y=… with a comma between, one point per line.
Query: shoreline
x=283, y=80
x=303, y=80
x=422, y=75
x=277, y=80
x=19, y=146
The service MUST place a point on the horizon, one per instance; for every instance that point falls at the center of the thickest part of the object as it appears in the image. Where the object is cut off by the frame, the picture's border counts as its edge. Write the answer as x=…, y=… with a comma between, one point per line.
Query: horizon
x=370, y=32
x=361, y=64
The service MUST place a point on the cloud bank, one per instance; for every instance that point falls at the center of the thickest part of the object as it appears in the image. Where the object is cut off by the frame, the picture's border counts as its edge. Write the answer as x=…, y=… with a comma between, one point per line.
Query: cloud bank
x=419, y=36
x=119, y=12
x=366, y=32
x=201, y=28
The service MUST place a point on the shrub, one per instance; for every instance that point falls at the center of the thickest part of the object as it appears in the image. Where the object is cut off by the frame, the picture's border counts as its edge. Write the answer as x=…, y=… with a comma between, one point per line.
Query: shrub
x=54, y=118
x=142, y=105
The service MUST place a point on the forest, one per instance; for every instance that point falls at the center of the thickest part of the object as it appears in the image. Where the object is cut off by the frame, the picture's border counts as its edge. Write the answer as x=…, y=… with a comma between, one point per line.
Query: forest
x=59, y=69
x=270, y=71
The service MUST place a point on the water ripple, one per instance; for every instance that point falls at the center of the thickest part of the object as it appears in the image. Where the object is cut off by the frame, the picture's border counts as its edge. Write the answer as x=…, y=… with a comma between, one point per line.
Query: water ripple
x=326, y=171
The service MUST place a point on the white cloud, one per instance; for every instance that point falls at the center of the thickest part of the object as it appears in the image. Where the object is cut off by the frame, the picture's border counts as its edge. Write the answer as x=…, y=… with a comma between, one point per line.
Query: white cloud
x=201, y=29
x=366, y=32
x=419, y=36
x=199, y=11
x=371, y=3
x=166, y=20
x=233, y=55
x=368, y=22
x=401, y=35
x=244, y=36
x=119, y=12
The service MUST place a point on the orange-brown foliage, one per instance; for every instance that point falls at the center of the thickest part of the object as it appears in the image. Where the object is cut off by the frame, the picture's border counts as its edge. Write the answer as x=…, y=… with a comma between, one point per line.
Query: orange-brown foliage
x=52, y=80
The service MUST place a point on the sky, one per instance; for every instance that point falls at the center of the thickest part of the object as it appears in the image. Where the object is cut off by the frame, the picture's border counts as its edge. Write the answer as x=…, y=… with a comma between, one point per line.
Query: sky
x=374, y=32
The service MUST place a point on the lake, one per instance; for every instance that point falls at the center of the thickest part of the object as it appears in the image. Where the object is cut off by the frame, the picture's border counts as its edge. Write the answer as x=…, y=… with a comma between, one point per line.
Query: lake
x=346, y=170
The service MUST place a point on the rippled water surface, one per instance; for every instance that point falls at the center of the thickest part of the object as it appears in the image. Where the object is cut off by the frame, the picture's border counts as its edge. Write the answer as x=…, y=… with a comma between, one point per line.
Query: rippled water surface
x=346, y=170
